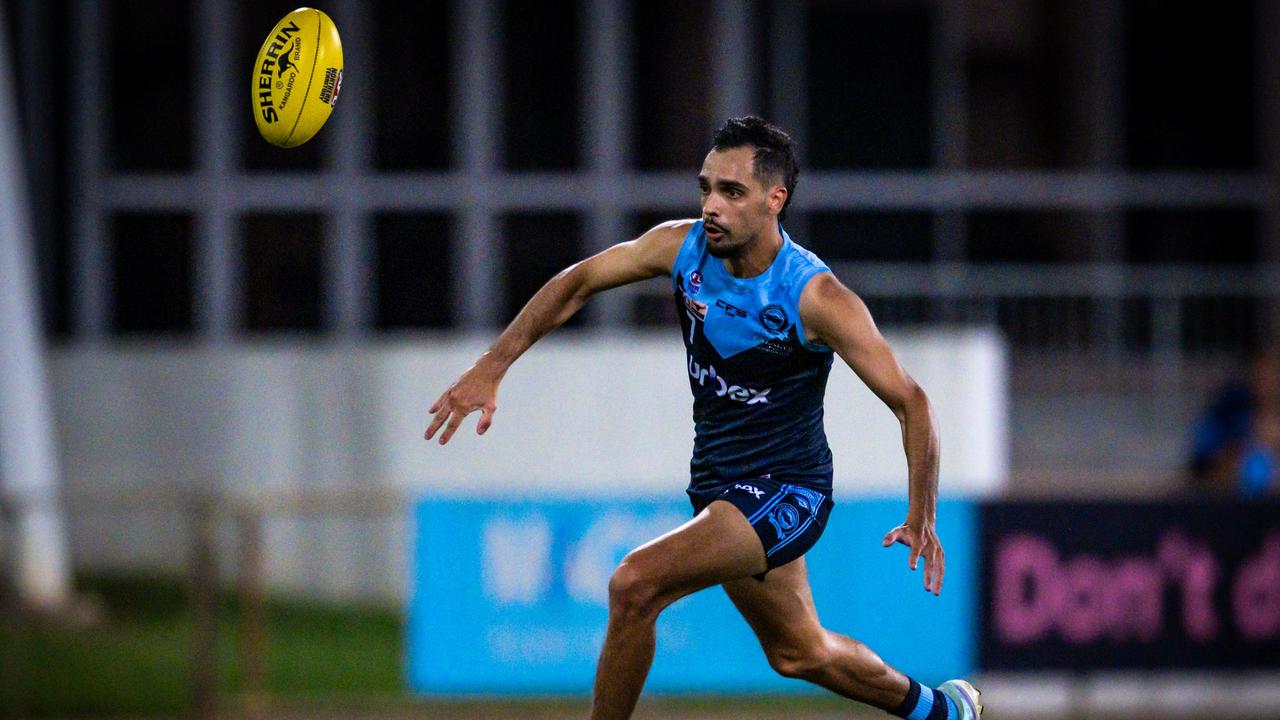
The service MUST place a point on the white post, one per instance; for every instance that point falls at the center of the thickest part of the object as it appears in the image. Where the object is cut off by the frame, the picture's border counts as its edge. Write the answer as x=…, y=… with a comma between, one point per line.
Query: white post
x=28, y=466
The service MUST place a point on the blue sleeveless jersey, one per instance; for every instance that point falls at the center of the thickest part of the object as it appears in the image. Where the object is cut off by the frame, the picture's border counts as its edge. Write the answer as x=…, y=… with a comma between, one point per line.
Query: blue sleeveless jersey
x=757, y=384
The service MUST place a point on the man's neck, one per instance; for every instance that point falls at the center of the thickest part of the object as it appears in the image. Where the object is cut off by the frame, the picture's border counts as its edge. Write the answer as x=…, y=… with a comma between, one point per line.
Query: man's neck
x=757, y=255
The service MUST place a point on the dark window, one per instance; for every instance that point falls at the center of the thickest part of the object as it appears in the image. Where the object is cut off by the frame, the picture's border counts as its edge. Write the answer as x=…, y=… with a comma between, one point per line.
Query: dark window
x=256, y=22
x=541, y=84
x=874, y=236
x=152, y=261
x=283, y=270
x=412, y=87
x=672, y=89
x=1030, y=236
x=151, y=74
x=1030, y=103
x=1202, y=236
x=537, y=247
x=1190, y=85
x=414, y=254
x=869, y=86
x=1204, y=323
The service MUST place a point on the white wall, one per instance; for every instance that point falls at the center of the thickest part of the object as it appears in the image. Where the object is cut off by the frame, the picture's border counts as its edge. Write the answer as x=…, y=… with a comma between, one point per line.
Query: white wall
x=577, y=415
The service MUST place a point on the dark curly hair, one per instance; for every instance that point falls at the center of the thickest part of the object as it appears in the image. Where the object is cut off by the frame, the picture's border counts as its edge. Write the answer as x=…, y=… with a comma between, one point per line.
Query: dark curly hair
x=775, y=156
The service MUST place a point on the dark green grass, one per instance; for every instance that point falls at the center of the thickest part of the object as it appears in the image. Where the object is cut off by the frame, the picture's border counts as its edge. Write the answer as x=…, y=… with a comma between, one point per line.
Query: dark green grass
x=322, y=661
x=137, y=660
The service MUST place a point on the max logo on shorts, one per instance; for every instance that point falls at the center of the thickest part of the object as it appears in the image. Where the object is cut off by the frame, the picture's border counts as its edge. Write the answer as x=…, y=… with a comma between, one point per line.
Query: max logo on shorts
x=757, y=492
x=750, y=396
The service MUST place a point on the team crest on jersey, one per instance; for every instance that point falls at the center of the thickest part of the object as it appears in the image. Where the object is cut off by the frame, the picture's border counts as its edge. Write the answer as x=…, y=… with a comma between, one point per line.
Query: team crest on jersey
x=773, y=317
x=695, y=282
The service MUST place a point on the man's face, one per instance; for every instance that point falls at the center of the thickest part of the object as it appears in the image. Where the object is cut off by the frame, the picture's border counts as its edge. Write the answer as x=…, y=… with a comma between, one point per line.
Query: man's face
x=736, y=206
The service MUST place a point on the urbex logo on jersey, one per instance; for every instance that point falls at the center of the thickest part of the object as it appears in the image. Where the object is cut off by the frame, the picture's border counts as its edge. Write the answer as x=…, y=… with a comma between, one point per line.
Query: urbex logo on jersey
x=266, y=75
x=724, y=388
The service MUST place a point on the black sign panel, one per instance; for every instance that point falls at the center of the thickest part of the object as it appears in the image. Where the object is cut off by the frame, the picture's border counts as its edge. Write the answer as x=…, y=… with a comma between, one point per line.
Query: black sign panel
x=1111, y=585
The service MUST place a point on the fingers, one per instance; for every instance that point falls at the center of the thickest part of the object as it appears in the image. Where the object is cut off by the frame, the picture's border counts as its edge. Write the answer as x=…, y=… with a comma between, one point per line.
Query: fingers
x=452, y=427
x=442, y=411
x=930, y=569
x=439, y=403
x=934, y=566
x=897, y=535
x=925, y=545
x=939, y=570
x=486, y=419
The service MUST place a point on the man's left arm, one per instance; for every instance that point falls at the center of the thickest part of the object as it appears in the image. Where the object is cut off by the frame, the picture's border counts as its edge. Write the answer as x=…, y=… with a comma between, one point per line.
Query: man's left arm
x=833, y=315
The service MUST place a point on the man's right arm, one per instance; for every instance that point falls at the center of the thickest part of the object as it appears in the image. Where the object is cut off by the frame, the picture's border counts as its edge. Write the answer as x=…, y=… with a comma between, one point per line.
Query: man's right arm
x=650, y=255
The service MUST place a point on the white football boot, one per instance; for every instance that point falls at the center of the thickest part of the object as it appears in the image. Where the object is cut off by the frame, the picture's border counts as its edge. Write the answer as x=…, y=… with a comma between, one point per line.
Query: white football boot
x=966, y=697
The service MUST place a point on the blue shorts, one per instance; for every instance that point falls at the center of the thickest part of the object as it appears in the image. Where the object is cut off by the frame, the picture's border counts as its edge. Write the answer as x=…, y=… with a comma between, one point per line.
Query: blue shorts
x=787, y=518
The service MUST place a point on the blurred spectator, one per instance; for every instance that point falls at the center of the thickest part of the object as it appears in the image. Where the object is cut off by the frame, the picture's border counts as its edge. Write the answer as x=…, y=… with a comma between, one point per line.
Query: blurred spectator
x=1237, y=437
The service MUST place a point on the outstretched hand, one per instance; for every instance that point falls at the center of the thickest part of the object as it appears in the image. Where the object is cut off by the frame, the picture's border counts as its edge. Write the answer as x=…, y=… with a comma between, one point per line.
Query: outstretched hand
x=477, y=389
x=922, y=538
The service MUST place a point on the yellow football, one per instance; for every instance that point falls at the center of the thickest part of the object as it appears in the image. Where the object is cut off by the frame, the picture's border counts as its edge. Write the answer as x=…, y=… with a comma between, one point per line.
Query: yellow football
x=297, y=77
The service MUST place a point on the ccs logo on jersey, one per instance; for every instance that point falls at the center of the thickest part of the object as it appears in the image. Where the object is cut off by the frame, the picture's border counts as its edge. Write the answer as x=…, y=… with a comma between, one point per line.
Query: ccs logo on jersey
x=730, y=309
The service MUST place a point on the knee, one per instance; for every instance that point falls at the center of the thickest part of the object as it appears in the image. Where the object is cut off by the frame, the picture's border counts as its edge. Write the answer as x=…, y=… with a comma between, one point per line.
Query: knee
x=806, y=660
x=633, y=594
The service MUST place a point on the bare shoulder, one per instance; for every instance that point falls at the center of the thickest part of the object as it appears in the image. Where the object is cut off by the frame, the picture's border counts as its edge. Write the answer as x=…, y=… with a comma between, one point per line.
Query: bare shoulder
x=822, y=291
x=671, y=230
x=659, y=245
x=829, y=309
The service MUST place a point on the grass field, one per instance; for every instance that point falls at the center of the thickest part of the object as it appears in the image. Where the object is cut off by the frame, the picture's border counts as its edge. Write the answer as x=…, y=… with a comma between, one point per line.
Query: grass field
x=322, y=661
x=137, y=660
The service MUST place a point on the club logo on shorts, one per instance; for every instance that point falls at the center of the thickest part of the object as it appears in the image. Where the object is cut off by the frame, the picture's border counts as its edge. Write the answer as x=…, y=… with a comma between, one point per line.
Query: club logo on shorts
x=695, y=282
x=784, y=518
x=773, y=317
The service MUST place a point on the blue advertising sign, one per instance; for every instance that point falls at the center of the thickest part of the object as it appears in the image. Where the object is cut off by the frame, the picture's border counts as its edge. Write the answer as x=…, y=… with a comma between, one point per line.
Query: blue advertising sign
x=512, y=597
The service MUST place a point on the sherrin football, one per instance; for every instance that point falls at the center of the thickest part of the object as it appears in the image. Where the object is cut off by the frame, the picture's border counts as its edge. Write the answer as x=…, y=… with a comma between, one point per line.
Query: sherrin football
x=297, y=77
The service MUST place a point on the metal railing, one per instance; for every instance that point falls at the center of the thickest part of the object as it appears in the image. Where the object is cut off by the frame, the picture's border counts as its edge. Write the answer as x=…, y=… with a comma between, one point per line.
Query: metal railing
x=1166, y=313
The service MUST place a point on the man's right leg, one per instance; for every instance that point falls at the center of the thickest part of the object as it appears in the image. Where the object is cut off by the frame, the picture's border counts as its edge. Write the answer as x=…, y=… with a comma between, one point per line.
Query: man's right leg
x=715, y=547
x=780, y=610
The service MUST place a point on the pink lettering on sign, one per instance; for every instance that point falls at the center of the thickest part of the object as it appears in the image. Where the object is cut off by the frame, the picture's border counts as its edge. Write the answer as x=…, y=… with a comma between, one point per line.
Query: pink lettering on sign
x=1138, y=594
x=1255, y=599
x=1026, y=587
x=1088, y=599
x=1195, y=568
